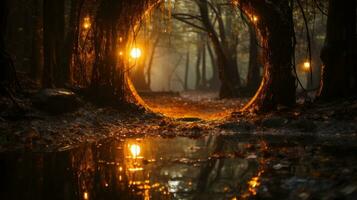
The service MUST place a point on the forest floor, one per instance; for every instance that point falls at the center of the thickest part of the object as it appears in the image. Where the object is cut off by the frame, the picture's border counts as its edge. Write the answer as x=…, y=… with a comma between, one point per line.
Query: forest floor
x=189, y=114
x=305, y=152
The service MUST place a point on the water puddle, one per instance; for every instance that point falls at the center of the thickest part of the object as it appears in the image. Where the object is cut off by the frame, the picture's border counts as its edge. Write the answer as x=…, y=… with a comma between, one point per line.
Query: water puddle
x=221, y=167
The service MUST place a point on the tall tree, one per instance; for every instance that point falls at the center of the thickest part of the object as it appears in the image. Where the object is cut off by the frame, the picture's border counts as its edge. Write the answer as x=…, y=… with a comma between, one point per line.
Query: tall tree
x=151, y=60
x=226, y=52
x=339, y=77
x=70, y=40
x=204, y=68
x=275, y=25
x=36, y=41
x=253, y=77
x=8, y=79
x=4, y=67
x=218, y=25
x=3, y=24
x=187, y=67
x=214, y=83
x=198, y=62
x=53, y=35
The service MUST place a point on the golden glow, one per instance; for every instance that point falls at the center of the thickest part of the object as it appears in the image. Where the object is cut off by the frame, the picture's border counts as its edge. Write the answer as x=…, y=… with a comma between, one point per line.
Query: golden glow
x=120, y=53
x=155, y=185
x=254, y=183
x=87, y=24
x=147, y=194
x=307, y=65
x=135, y=150
x=136, y=169
x=135, y=53
x=255, y=18
x=85, y=195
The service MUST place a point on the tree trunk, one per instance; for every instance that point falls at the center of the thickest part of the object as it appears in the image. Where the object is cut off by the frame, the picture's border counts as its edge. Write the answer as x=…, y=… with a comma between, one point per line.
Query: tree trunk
x=8, y=78
x=151, y=60
x=3, y=25
x=226, y=62
x=315, y=67
x=53, y=31
x=70, y=39
x=214, y=83
x=35, y=68
x=48, y=43
x=29, y=32
x=198, y=63
x=186, y=70
x=253, y=78
x=339, y=77
x=204, y=74
x=275, y=29
x=60, y=72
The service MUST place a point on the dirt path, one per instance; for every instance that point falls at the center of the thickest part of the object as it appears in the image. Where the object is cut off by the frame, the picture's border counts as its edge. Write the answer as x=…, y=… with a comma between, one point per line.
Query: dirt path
x=202, y=105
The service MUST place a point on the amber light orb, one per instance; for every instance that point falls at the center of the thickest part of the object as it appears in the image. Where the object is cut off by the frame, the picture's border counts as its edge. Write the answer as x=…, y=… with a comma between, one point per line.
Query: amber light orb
x=307, y=65
x=135, y=53
x=87, y=24
x=135, y=150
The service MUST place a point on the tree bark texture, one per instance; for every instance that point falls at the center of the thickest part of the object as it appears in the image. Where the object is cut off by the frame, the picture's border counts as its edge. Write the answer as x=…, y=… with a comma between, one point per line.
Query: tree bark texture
x=35, y=68
x=187, y=67
x=275, y=31
x=253, y=77
x=339, y=74
x=53, y=34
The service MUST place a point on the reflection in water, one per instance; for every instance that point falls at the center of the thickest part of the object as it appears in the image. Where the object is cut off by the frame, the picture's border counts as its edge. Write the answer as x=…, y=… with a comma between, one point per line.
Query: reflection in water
x=254, y=183
x=85, y=195
x=135, y=150
x=222, y=167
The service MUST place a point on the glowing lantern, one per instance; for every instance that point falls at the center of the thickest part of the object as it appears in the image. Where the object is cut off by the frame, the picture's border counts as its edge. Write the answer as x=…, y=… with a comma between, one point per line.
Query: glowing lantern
x=135, y=53
x=86, y=24
x=307, y=65
x=135, y=150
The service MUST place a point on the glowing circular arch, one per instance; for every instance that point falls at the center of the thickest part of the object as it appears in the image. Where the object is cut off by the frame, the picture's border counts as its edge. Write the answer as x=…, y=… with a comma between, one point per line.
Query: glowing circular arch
x=272, y=21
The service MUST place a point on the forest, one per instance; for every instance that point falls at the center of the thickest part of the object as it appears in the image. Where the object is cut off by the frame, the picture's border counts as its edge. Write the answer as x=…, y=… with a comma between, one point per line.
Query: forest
x=178, y=99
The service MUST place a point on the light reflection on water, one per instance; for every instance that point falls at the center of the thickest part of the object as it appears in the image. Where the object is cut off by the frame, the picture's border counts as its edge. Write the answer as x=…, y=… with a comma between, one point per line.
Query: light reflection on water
x=187, y=169
x=221, y=167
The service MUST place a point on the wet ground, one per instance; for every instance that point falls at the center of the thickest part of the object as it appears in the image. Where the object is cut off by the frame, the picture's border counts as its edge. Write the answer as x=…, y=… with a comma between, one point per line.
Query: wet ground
x=211, y=167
